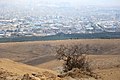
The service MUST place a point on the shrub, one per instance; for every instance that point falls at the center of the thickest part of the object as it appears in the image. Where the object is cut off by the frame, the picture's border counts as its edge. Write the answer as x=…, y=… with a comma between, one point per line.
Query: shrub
x=74, y=56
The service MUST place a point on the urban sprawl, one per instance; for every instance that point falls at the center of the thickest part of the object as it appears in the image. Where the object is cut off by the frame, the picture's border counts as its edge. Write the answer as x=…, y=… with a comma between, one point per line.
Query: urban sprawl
x=15, y=24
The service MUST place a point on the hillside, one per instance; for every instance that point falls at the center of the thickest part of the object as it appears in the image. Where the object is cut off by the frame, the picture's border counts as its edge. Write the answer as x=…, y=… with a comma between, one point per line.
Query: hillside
x=10, y=70
x=41, y=50
x=20, y=59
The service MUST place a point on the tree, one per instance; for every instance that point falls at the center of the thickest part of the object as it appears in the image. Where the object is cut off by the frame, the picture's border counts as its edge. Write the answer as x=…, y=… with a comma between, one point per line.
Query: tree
x=74, y=56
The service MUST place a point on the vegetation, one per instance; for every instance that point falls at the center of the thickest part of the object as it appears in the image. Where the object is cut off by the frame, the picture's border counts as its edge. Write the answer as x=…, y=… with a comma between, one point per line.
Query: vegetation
x=62, y=36
x=76, y=63
x=74, y=56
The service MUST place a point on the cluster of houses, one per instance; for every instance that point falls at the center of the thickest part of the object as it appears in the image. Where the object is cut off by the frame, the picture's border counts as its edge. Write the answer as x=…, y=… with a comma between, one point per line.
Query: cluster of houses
x=51, y=25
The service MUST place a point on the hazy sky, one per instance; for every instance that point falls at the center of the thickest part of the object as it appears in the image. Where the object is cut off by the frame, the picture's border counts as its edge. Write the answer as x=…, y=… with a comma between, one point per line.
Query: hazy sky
x=72, y=2
x=97, y=2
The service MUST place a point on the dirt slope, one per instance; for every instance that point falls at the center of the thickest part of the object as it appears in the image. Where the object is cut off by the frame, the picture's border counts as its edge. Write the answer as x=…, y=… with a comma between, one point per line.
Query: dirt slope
x=19, y=51
x=109, y=74
x=10, y=70
x=19, y=68
x=106, y=66
x=41, y=54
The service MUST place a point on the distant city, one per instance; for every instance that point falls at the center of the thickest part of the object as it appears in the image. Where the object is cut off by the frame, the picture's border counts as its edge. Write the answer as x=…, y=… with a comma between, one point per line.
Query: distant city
x=45, y=20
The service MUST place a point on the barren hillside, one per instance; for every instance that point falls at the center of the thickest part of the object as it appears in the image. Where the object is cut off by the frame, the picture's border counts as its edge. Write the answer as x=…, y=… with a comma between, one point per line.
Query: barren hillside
x=19, y=51
x=104, y=56
x=10, y=70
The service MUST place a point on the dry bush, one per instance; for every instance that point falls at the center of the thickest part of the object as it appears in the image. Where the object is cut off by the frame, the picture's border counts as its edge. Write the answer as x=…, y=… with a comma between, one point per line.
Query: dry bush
x=74, y=56
x=76, y=63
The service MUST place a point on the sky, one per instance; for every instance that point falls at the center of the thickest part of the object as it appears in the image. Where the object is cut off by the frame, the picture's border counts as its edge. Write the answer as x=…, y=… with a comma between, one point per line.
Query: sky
x=75, y=3
x=97, y=2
